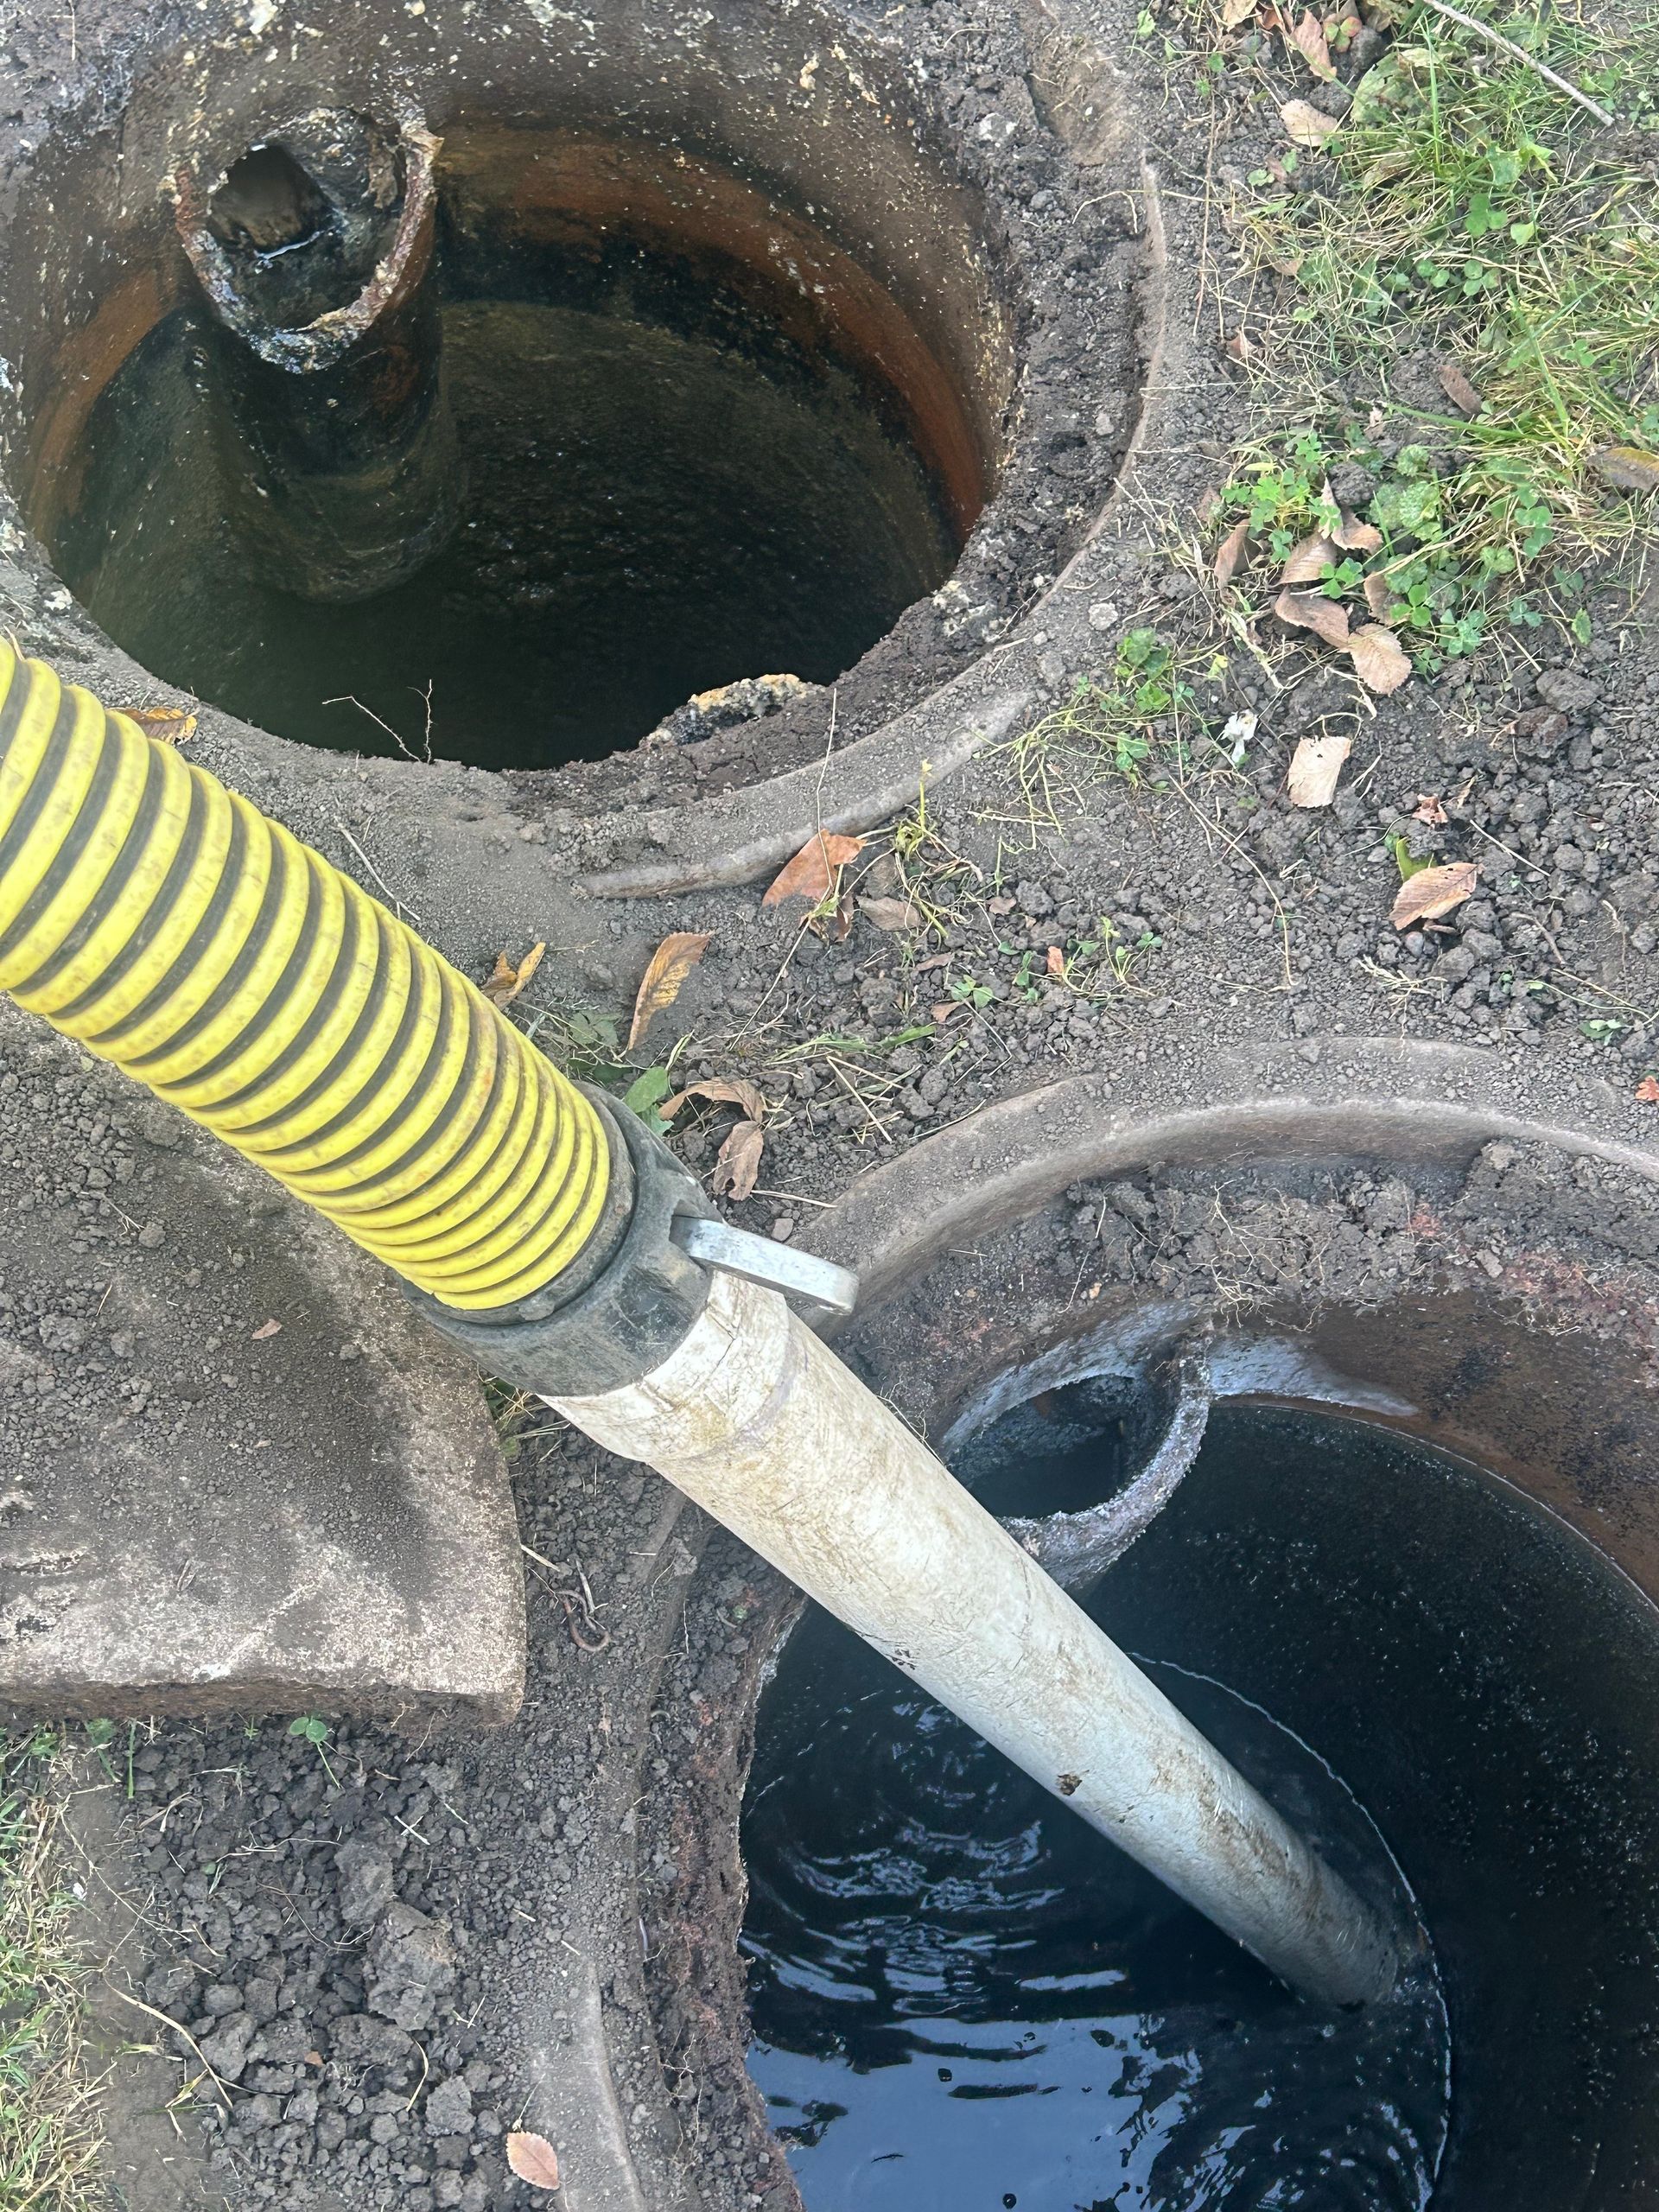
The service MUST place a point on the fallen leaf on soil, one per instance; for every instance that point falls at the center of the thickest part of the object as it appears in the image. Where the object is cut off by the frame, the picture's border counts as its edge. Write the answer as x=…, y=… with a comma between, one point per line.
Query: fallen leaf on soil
x=834, y=925
x=1234, y=12
x=1647, y=1090
x=1429, y=809
x=1380, y=596
x=1356, y=536
x=1627, y=468
x=1304, y=123
x=1309, y=35
x=1056, y=961
x=999, y=906
x=672, y=963
x=1433, y=891
x=1459, y=390
x=172, y=725
x=1380, y=658
x=811, y=872
x=892, y=913
x=718, y=1092
x=1311, y=610
x=1314, y=768
x=531, y=2158
x=738, y=1162
x=266, y=1329
x=505, y=982
x=1230, y=552
x=1238, y=346
x=1307, y=563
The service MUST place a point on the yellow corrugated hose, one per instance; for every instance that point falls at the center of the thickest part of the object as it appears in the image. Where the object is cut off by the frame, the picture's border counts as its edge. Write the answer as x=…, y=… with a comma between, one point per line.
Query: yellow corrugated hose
x=177, y=931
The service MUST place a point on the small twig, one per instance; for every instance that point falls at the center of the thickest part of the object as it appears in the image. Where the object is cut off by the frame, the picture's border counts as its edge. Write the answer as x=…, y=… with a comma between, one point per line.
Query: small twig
x=183, y=2032
x=1520, y=54
x=398, y=903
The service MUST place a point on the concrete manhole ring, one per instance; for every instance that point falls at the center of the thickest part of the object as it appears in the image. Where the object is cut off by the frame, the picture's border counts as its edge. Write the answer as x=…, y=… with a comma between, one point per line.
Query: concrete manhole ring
x=999, y=271
x=1480, y=1278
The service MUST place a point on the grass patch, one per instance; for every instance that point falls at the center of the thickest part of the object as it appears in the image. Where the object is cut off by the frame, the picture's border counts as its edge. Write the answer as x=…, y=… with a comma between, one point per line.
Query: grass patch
x=1142, y=720
x=50, y=2137
x=1468, y=212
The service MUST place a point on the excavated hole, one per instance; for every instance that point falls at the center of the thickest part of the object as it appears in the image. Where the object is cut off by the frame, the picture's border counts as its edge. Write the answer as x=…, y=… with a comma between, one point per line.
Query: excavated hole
x=710, y=426
x=1406, y=1587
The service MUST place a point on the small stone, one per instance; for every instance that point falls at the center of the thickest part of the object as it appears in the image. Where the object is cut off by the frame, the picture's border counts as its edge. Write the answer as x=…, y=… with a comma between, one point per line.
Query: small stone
x=1103, y=615
x=411, y=1962
x=363, y=1876
x=1565, y=690
x=449, y=2108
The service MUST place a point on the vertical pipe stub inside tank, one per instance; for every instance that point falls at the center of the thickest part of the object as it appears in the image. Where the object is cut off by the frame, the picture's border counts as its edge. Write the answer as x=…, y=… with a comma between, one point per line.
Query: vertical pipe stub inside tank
x=314, y=253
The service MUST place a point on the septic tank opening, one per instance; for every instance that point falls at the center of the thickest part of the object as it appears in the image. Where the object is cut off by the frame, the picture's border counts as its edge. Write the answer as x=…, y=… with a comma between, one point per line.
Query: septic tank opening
x=696, y=439
x=958, y=1995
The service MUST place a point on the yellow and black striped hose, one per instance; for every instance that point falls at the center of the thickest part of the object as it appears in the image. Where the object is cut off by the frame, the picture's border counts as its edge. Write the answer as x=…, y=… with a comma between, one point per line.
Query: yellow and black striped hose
x=177, y=931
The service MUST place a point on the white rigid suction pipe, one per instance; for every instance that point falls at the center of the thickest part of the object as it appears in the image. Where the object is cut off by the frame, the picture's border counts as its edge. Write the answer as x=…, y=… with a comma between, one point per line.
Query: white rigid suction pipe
x=765, y=1429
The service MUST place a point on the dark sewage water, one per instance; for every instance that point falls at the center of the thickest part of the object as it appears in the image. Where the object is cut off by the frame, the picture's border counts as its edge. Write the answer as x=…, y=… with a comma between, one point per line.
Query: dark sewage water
x=962, y=1998
x=659, y=496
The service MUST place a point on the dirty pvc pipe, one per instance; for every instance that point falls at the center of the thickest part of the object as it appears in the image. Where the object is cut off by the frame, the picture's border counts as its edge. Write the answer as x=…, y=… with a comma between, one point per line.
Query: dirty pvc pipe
x=764, y=1427
x=178, y=932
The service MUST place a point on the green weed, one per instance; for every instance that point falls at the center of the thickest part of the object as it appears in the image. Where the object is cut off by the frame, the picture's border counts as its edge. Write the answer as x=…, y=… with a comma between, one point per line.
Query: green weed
x=1467, y=212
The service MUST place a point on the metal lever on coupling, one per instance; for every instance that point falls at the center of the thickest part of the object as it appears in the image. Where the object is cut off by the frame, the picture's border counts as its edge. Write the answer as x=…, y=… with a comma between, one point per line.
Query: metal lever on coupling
x=801, y=1276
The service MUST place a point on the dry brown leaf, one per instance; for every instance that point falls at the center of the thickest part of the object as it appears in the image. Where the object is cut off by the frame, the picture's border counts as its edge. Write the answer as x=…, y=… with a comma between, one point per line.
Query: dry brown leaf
x=172, y=725
x=738, y=1162
x=1459, y=390
x=1433, y=891
x=892, y=913
x=1379, y=657
x=1234, y=12
x=1001, y=906
x=1308, y=34
x=1647, y=1091
x=718, y=1092
x=1230, y=552
x=532, y=2159
x=1314, y=768
x=1238, y=346
x=1307, y=563
x=1356, y=536
x=1056, y=961
x=266, y=1329
x=1380, y=596
x=1305, y=124
x=505, y=982
x=813, y=869
x=1627, y=468
x=1429, y=809
x=663, y=981
x=1311, y=610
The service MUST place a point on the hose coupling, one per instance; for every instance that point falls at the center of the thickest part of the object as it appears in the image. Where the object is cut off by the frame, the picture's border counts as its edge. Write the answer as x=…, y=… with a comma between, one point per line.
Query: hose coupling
x=640, y=1283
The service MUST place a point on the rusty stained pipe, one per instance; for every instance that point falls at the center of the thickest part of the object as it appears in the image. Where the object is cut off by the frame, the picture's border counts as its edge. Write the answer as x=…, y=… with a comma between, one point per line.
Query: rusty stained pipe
x=314, y=251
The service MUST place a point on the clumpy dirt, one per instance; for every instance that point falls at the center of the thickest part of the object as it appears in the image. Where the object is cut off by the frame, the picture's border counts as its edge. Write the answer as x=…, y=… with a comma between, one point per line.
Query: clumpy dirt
x=379, y=1942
